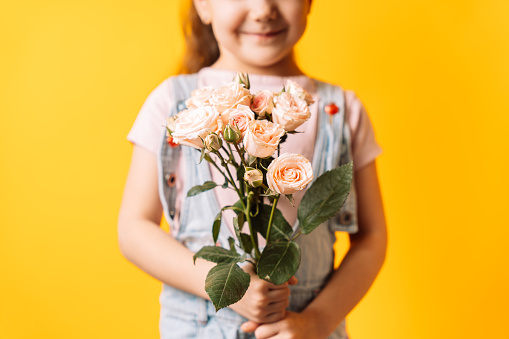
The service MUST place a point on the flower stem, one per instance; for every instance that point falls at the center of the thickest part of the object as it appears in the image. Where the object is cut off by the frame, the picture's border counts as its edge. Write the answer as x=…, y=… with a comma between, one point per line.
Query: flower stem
x=296, y=235
x=232, y=158
x=274, y=203
x=252, y=234
x=222, y=172
x=225, y=165
x=241, y=155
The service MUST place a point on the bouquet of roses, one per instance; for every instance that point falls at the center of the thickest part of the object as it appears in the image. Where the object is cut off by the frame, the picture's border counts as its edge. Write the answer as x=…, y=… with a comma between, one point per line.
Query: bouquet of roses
x=239, y=133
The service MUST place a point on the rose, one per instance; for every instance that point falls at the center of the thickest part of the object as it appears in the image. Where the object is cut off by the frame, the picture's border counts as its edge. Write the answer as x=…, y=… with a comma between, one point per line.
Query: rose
x=263, y=103
x=290, y=111
x=194, y=124
x=253, y=176
x=289, y=173
x=199, y=97
x=293, y=88
x=212, y=142
x=262, y=138
x=239, y=116
x=230, y=96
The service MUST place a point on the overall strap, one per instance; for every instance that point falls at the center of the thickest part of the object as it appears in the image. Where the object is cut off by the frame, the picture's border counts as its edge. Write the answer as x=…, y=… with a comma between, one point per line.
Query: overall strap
x=330, y=128
x=333, y=148
x=182, y=86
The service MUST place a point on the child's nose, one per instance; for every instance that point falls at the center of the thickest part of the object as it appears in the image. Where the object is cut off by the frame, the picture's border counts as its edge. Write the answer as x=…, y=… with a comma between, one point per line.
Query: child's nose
x=263, y=10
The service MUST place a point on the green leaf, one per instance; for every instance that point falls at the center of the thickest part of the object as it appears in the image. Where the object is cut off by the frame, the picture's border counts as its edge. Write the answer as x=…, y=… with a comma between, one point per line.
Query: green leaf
x=231, y=241
x=216, y=226
x=240, y=178
x=290, y=199
x=236, y=224
x=239, y=206
x=226, y=284
x=202, y=155
x=247, y=244
x=251, y=159
x=280, y=230
x=208, y=185
x=238, y=221
x=207, y=157
x=325, y=197
x=218, y=255
x=279, y=261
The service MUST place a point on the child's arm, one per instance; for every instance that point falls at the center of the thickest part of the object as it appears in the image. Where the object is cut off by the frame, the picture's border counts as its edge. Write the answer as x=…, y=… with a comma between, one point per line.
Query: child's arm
x=145, y=244
x=351, y=280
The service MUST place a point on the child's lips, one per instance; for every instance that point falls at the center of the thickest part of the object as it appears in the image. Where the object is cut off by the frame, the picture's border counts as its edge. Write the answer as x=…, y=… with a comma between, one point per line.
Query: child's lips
x=268, y=34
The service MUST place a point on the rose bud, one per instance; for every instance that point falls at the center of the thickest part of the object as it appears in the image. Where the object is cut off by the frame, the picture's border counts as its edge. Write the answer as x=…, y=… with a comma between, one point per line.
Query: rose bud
x=253, y=176
x=243, y=79
x=231, y=134
x=213, y=142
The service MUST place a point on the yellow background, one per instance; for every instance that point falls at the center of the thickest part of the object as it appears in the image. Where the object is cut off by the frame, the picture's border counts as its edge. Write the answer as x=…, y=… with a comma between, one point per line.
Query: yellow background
x=433, y=75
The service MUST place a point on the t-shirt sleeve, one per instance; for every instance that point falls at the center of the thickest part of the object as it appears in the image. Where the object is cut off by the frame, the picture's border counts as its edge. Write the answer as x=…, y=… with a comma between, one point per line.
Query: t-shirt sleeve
x=149, y=126
x=365, y=148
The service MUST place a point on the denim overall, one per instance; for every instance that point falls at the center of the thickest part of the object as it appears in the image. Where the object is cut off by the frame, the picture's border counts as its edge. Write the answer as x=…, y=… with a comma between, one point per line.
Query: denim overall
x=187, y=316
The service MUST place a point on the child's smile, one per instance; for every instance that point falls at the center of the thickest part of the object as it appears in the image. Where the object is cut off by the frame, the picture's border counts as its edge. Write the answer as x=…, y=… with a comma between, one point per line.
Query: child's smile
x=265, y=37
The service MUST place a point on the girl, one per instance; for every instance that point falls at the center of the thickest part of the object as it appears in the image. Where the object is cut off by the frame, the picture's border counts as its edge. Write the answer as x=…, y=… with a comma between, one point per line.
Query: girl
x=257, y=37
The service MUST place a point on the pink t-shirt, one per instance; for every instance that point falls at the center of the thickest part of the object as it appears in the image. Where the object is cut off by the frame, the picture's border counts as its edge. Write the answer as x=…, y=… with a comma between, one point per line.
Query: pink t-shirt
x=149, y=126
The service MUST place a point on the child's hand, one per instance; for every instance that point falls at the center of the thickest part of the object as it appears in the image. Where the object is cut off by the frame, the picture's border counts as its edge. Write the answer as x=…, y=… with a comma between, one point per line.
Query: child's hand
x=263, y=302
x=293, y=326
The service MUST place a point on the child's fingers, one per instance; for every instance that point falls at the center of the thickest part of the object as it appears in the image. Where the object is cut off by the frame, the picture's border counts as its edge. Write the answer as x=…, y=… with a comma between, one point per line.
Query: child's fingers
x=265, y=331
x=277, y=306
x=278, y=295
x=249, y=326
x=293, y=281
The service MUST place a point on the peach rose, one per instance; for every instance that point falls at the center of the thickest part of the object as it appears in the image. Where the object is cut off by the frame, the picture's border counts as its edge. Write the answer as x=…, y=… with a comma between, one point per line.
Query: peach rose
x=195, y=124
x=230, y=96
x=263, y=102
x=199, y=97
x=262, y=138
x=289, y=173
x=290, y=111
x=239, y=116
x=293, y=88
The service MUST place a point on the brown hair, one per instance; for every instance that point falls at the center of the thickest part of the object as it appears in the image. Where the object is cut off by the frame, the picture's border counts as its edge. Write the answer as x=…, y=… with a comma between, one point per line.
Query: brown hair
x=201, y=48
